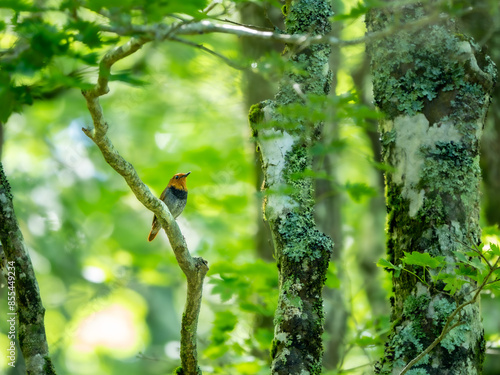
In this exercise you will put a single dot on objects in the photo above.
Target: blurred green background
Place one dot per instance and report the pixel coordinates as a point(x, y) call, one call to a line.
point(114, 301)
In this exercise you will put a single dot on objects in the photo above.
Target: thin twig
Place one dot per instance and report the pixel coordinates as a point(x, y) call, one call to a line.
point(260, 28)
point(211, 6)
point(228, 61)
point(446, 329)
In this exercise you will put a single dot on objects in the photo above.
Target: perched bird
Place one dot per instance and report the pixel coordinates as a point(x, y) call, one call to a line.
point(175, 197)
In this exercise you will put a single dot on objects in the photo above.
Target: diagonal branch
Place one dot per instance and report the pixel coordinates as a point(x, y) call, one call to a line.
point(447, 328)
point(194, 268)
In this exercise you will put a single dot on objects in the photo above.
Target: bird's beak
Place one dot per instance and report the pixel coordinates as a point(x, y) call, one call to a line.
point(187, 174)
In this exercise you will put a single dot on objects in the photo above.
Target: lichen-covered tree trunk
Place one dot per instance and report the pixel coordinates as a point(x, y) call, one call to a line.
point(302, 252)
point(28, 312)
point(434, 86)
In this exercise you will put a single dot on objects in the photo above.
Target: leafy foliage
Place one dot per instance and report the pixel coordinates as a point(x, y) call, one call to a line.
point(478, 267)
point(173, 108)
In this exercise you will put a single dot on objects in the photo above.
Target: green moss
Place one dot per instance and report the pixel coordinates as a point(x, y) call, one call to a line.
point(302, 251)
point(48, 367)
point(415, 307)
point(255, 114)
point(307, 17)
point(274, 349)
point(180, 371)
point(4, 183)
point(451, 177)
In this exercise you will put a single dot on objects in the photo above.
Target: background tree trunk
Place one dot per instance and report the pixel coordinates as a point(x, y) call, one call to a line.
point(328, 215)
point(434, 86)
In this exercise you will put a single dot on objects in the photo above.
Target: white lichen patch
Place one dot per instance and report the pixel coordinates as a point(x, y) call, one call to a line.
point(465, 49)
point(421, 289)
point(274, 145)
point(278, 204)
point(412, 134)
point(326, 69)
point(282, 336)
point(480, 122)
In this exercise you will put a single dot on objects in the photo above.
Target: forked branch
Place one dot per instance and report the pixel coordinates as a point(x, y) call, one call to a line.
point(194, 268)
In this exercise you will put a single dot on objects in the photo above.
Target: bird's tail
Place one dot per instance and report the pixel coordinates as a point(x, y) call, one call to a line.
point(153, 234)
point(155, 228)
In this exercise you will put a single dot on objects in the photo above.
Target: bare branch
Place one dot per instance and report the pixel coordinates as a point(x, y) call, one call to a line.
point(195, 268)
point(166, 32)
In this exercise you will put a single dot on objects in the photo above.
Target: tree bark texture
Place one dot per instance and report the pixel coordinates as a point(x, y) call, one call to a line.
point(434, 85)
point(30, 311)
point(301, 250)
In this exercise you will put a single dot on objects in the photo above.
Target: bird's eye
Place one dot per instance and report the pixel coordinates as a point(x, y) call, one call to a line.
point(176, 177)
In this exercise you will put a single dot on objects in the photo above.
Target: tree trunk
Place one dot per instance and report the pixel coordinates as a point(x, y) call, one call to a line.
point(434, 86)
point(258, 88)
point(302, 251)
point(328, 216)
point(28, 310)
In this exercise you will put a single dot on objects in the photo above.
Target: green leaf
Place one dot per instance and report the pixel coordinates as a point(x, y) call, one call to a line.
point(494, 249)
point(384, 263)
point(491, 231)
point(88, 33)
point(423, 259)
point(465, 270)
point(365, 341)
point(332, 281)
point(494, 286)
point(355, 12)
point(359, 190)
point(476, 263)
point(225, 288)
point(461, 256)
point(18, 5)
point(127, 77)
point(453, 285)
point(156, 10)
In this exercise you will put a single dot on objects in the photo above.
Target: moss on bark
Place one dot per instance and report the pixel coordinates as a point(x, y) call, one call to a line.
point(302, 251)
point(434, 86)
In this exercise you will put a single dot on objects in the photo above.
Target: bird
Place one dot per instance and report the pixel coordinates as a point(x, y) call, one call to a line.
point(175, 197)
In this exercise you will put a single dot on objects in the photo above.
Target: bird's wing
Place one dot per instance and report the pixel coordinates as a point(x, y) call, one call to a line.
point(162, 196)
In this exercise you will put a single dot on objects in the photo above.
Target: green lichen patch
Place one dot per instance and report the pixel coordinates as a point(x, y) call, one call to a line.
point(450, 177)
point(309, 17)
point(414, 71)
